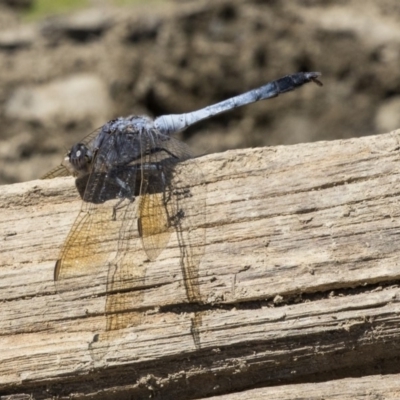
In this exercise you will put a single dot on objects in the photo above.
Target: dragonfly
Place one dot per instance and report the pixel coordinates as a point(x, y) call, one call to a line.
point(137, 180)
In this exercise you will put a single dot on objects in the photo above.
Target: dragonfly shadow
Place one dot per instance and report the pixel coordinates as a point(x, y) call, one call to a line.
point(110, 190)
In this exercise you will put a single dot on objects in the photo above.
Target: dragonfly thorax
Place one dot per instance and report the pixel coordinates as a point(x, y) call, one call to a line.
point(123, 141)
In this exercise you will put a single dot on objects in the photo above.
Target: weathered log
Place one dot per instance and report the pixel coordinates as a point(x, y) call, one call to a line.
point(298, 282)
point(367, 387)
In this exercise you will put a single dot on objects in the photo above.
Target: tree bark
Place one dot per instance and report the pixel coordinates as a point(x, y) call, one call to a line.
point(298, 283)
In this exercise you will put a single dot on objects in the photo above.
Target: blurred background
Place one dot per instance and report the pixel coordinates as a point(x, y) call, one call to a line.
point(68, 66)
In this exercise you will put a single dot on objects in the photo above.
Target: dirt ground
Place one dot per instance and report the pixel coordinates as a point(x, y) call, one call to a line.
point(64, 76)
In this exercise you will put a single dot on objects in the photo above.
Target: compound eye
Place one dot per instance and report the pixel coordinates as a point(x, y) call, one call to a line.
point(79, 157)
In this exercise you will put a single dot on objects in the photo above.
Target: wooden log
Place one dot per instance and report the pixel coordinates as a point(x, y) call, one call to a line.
point(298, 281)
point(368, 387)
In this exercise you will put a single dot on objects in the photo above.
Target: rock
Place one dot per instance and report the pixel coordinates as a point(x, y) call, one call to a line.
point(16, 147)
point(17, 3)
point(62, 102)
point(82, 27)
point(388, 116)
point(8, 17)
point(17, 38)
point(145, 29)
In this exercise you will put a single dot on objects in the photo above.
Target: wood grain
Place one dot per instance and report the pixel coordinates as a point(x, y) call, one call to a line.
point(299, 279)
point(370, 387)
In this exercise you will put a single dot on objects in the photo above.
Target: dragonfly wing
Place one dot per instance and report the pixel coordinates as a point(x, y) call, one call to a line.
point(156, 205)
point(57, 172)
point(82, 263)
point(83, 257)
point(189, 205)
point(153, 223)
point(173, 198)
point(123, 295)
point(127, 272)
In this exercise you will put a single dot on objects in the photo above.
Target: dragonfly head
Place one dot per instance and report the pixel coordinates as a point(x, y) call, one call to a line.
point(80, 159)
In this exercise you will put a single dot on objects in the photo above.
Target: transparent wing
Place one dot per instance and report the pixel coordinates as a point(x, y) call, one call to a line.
point(126, 274)
point(91, 243)
point(90, 257)
point(79, 271)
point(125, 278)
point(126, 271)
point(157, 211)
point(173, 198)
point(189, 204)
point(154, 223)
point(56, 172)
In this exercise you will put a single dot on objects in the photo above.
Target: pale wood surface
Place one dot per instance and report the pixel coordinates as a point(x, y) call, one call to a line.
point(368, 387)
point(299, 278)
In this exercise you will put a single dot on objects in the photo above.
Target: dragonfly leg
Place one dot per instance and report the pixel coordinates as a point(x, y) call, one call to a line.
point(117, 206)
point(125, 190)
